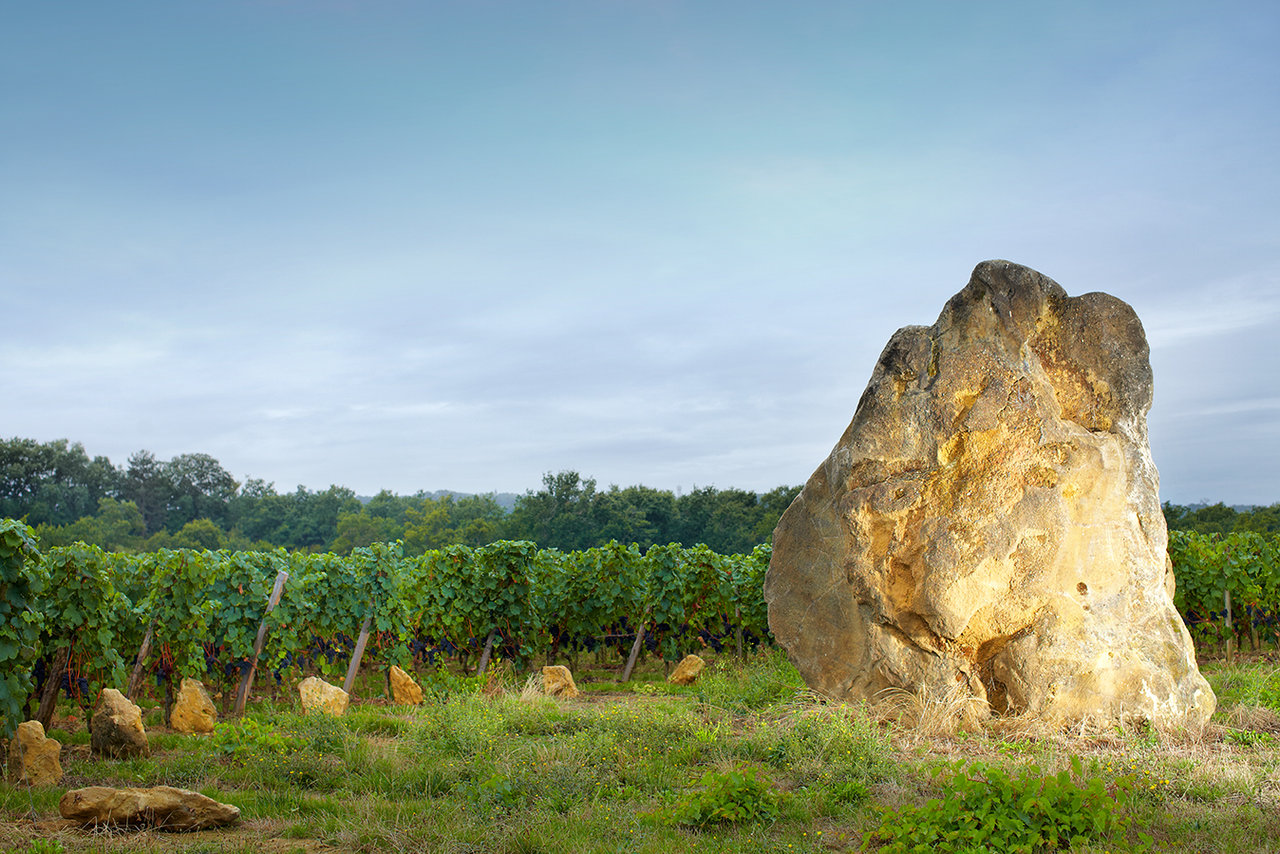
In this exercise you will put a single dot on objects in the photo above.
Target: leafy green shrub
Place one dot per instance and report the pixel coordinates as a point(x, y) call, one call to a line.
point(986, 810)
point(39, 846)
point(249, 736)
point(500, 791)
point(1247, 737)
point(23, 581)
point(743, 794)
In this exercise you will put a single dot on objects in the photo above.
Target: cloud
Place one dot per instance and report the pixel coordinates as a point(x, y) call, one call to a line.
point(1212, 310)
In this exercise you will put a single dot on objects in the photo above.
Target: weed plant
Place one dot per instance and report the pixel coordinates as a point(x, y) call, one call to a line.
point(742, 794)
point(985, 809)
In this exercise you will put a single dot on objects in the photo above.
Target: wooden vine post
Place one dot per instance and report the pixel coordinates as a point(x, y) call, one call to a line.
point(635, 648)
point(1231, 631)
point(52, 681)
point(488, 652)
point(135, 678)
point(354, 667)
point(737, 634)
point(246, 681)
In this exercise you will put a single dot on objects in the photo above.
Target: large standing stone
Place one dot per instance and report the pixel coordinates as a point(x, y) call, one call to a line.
point(193, 710)
point(116, 730)
point(33, 758)
point(319, 696)
point(991, 518)
point(403, 689)
point(163, 807)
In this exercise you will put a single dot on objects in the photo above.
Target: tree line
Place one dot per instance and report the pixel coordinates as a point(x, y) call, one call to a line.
point(191, 501)
point(1221, 519)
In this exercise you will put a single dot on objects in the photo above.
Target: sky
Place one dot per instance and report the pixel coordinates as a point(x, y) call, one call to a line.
point(458, 245)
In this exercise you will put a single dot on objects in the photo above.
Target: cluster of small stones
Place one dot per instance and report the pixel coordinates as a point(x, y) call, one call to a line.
point(557, 681)
point(116, 731)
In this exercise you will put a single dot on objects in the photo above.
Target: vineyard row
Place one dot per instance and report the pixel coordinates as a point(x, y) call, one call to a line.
point(78, 618)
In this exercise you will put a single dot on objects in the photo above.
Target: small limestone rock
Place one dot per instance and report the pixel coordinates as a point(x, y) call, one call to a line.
point(687, 671)
point(990, 520)
point(319, 696)
point(403, 689)
point(193, 710)
point(557, 681)
point(116, 730)
point(162, 807)
point(33, 758)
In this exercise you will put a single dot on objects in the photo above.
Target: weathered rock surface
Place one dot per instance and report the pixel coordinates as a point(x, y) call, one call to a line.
point(162, 807)
point(33, 758)
point(193, 710)
point(687, 671)
point(991, 519)
point(557, 681)
point(319, 696)
point(116, 730)
point(403, 689)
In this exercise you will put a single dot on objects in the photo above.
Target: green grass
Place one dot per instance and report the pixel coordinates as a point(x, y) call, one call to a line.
point(1245, 684)
point(744, 759)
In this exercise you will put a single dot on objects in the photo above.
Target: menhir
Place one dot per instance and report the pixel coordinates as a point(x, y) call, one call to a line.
point(990, 520)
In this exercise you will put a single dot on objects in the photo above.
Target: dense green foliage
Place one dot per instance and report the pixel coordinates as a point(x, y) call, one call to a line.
point(985, 809)
point(204, 607)
point(741, 794)
point(1223, 577)
point(22, 582)
point(83, 612)
point(191, 502)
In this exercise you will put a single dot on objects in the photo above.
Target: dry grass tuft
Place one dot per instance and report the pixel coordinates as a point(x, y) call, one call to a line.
point(928, 713)
point(493, 688)
point(532, 689)
point(1256, 718)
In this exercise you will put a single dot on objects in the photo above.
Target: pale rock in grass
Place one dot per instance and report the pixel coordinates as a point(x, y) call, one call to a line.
point(116, 729)
point(162, 807)
point(687, 671)
point(557, 681)
point(33, 758)
point(404, 690)
point(193, 710)
point(319, 696)
point(991, 519)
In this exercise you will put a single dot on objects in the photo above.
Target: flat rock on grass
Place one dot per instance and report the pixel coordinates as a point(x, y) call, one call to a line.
point(162, 807)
